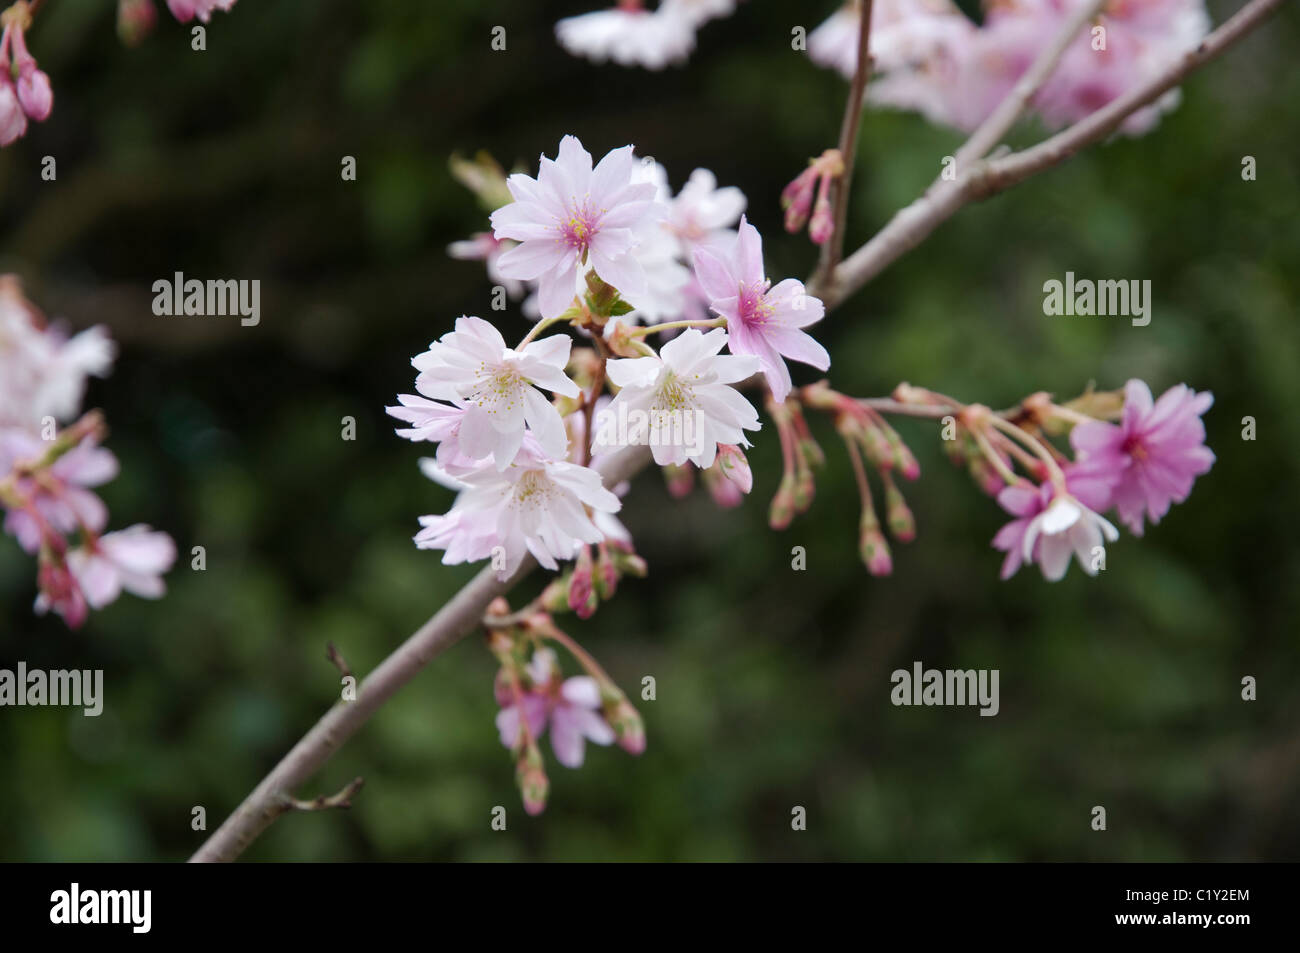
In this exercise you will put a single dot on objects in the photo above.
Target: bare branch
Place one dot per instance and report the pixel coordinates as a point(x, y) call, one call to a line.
point(833, 250)
point(343, 799)
point(334, 655)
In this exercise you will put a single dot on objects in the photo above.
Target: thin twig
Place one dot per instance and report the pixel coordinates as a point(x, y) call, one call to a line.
point(343, 799)
point(833, 250)
point(334, 655)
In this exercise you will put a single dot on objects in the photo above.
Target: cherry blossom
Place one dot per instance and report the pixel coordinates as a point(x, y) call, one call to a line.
point(762, 320)
point(497, 388)
point(1156, 452)
point(572, 215)
point(684, 393)
point(536, 505)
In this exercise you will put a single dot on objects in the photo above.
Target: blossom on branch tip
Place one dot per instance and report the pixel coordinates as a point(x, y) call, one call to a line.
point(764, 321)
point(1155, 453)
point(1052, 524)
point(572, 215)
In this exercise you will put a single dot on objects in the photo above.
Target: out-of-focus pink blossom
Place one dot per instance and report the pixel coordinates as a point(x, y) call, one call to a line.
point(1051, 525)
point(1155, 453)
point(133, 559)
point(187, 10)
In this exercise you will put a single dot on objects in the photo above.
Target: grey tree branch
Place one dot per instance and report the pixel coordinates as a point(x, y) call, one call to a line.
point(981, 179)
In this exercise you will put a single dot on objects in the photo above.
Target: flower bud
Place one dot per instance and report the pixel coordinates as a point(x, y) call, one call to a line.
point(724, 492)
point(680, 479)
point(902, 525)
point(735, 466)
point(985, 475)
point(797, 199)
point(555, 597)
point(606, 574)
point(135, 20)
point(629, 729)
point(581, 594)
point(781, 511)
point(34, 92)
point(531, 778)
point(805, 488)
point(13, 121)
point(823, 218)
point(627, 562)
point(873, 548)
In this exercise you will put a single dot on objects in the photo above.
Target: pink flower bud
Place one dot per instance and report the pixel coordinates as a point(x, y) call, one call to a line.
point(534, 786)
point(581, 594)
point(13, 121)
point(874, 550)
point(797, 199)
point(902, 525)
point(782, 510)
point(135, 20)
point(823, 219)
point(629, 730)
point(34, 92)
point(725, 493)
point(680, 480)
point(735, 466)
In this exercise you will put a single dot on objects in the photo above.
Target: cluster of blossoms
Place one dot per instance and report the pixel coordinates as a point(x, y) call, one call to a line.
point(929, 57)
point(631, 35)
point(534, 698)
point(48, 471)
point(25, 91)
point(521, 429)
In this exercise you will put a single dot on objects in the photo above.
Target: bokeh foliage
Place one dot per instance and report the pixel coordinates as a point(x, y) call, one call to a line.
point(773, 685)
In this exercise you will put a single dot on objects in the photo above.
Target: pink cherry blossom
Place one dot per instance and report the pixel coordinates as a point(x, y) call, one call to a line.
point(762, 320)
point(497, 388)
point(628, 35)
point(680, 401)
point(535, 506)
point(1052, 524)
point(186, 10)
point(61, 500)
point(570, 708)
point(1156, 452)
point(133, 559)
point(572, 215)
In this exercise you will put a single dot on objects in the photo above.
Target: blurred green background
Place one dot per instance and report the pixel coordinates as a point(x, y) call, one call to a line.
point(773, 685)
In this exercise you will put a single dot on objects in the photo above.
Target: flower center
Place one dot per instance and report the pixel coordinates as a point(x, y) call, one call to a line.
point(581, 226)
point(754, 306)
point(497, 389)
point(532, 491)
